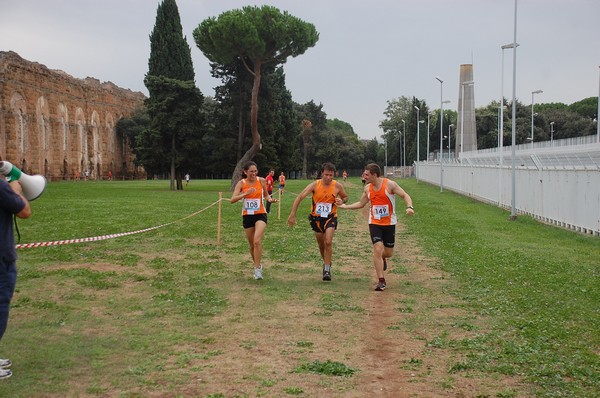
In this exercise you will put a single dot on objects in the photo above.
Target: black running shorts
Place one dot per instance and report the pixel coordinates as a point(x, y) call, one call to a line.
point(249, 221)
point(383, 233)
point(320, 224)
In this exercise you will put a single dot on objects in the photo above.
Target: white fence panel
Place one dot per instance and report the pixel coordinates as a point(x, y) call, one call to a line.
point(567, 195)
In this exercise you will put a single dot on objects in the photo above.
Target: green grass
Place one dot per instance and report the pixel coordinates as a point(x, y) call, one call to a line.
point(328, 368)
point(539, 285)
point(73, 318)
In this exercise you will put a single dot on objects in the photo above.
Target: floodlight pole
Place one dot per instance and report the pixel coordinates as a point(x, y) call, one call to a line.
point(403, 148)
point(501, 129)
point(449, 134)
point(598, 113)
point(513, 211)
point(441, 132)
point(428, 136)
point(532, 114)
point(386, 164)
point(417, 109)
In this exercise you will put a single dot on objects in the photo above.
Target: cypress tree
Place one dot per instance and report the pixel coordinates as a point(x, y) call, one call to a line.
point(175, 102)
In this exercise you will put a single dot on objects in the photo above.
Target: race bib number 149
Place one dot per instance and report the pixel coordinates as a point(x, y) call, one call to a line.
point(381, 211)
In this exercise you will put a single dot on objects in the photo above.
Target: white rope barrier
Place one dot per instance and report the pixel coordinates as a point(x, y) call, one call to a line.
point(110, 236)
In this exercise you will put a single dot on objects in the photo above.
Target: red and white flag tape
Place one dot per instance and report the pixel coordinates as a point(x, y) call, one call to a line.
point(104, 237)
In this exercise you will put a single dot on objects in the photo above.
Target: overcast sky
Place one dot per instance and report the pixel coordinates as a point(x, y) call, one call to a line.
point(367, 53)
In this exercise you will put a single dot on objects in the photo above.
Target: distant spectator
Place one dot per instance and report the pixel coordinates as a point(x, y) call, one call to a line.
point(281, 182)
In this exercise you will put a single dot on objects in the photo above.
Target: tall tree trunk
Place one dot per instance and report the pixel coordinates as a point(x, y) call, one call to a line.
point(305, 160)
point(172, 182)
point(242, 98)
point(306, 126)
point(179, 181)
point(256, 145)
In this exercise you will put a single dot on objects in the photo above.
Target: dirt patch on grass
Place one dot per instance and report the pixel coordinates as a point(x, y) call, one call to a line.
point(357, 342)
point(395, 341)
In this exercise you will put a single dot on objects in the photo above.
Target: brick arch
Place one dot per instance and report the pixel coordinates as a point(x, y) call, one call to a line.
point(96, 145)
point(81, 142)
point(110, 135)
point(46, 117)
point(14, 142)
point(62, 129)
point(42, 138)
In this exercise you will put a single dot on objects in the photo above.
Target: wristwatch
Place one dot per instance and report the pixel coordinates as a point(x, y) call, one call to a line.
point(410, 207)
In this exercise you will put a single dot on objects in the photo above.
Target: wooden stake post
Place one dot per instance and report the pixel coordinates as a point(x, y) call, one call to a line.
point(219, 218)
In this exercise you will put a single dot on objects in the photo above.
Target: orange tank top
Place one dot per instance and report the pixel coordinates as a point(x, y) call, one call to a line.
point(383, 205)
point(323, 200)
point(254, 202)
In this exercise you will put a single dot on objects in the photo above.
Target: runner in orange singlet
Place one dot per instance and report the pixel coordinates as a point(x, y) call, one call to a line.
point(381, 193)
point(281, 182)
point(323, 215)
point(252, 190)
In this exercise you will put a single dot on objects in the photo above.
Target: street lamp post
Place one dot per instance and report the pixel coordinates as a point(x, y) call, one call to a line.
point(462, 116)
point(532, 94)
point(385, 170)
point(449, 134)
point(598, 114)
point(403, 148)
point(400, 150)
point(551, 134)
point(513, 211)
point(428, 136)
point(418, 128)
point(501, 128)
point(501, 131)
point(441, 131)
point(418, 110)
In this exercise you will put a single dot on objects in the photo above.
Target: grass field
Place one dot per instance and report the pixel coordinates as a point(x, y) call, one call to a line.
point(134, 316)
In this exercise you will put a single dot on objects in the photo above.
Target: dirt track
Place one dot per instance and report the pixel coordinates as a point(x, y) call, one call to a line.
point(397, 339)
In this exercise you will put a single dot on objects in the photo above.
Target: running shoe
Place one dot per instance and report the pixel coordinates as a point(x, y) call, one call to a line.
point(380, 287)
point(326, 275)
point(5, 363)
point(258, 273)
point(5, 373)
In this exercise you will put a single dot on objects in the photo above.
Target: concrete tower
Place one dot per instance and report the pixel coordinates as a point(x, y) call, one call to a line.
point(469, 139)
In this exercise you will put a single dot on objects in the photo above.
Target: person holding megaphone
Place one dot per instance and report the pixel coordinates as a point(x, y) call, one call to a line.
point(12, 203)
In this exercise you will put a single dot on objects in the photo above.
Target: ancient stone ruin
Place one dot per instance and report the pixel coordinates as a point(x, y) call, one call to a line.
point(63, 127)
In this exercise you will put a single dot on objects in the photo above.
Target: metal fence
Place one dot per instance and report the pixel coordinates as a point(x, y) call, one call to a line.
point(556, 182)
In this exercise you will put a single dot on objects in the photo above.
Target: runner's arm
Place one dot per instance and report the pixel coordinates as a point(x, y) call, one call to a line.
point(292, 217)
point(364, 199)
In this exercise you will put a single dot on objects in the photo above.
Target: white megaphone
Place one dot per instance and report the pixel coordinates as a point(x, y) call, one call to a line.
point(33, 186)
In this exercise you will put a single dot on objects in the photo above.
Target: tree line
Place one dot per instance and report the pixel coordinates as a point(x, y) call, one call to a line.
point(551, 121)
point(252, 115)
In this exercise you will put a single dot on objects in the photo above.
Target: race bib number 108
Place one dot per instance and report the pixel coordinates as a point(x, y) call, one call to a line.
point(251, 205)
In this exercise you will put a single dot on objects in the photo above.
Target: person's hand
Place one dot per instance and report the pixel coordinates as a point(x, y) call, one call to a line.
point(16, 186)
point(250, 191)
point(339, 202)
point(410, 211)
point(291, 221)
